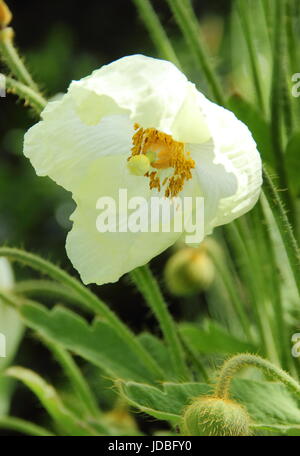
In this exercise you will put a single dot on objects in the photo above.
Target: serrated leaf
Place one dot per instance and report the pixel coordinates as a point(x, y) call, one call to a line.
point(157, 350)
point(213, 339)
point(98, 343)
point(67, 423)
point(166, 403)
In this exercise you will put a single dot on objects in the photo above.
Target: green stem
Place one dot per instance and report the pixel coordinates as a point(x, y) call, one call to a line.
point(148, 287)
point(246, 26)
point(233, 365)
point(277, 103)
point(92, 301)
point(273, 280)
point(251, 235)
point(30, 96)
point(25, 427)
point(231, 287)
point(238, 235)
point(286, 231)
point(156, 30)
point(268, 13)
point(189, 25)
point(13, 61)
point(75, 376)
point(49, 289)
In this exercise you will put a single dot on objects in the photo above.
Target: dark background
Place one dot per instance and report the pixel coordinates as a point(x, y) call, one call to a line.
point(61, 41)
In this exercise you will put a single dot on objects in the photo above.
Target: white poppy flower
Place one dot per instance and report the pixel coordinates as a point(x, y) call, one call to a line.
point(138, 124)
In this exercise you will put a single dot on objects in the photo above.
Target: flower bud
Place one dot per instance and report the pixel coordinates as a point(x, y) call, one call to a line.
point(189, 271)
point(213, 416)
point(5, 15)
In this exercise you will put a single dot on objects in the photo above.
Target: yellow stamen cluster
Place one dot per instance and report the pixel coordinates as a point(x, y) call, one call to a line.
point(163, 152)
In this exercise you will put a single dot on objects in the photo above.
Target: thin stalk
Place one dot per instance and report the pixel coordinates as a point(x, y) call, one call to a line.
point(92, 301)
point(273, 280)
point(148, 287)
point(27, 94)
point(259, 286)
point(268, 13)
point(236, 235)
point(277, 105)
point(188, 23)
point(286, 231)
point(233, 294)
point(75, 376)
point(156, 30)
point(48, 288)
point(233, 365)
point(13, 61)
point(24, 427)
point(246, 26)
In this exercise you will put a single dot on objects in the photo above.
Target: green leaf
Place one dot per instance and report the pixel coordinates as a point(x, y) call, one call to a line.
point(157, 350)
point(267, 402)
point(211, 338)
point(67, 423)
point(166, 403)
point(256, 123)
point(11, 327)
point(98, 343)
point(292, 158)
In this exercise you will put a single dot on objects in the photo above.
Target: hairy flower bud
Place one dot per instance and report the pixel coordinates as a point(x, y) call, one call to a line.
point(5, 15)
point(213, 416)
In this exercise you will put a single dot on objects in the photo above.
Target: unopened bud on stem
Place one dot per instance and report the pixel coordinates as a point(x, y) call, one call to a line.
point(214, 416)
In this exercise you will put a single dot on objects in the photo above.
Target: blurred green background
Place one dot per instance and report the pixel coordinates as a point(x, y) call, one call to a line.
point(62, 41)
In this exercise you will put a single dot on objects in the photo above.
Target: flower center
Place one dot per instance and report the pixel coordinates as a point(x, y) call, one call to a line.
point(162, 152)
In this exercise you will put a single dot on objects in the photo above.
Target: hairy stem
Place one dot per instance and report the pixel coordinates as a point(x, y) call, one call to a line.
point(156, 30)
point(148, 287)
point(189, 25)
point(27, 94)
point(233, 365)
point(13, 61)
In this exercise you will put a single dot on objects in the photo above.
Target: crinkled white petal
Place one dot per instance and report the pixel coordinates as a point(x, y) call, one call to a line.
point(228, 167)
point(62, 147)
point(105, 257)
point(154, 93)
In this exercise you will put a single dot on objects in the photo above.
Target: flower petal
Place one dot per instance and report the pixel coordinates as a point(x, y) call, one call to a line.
point(228, 167)
point(151, 90)
point(104, 257)
point(154, 92)
point(63, 147)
